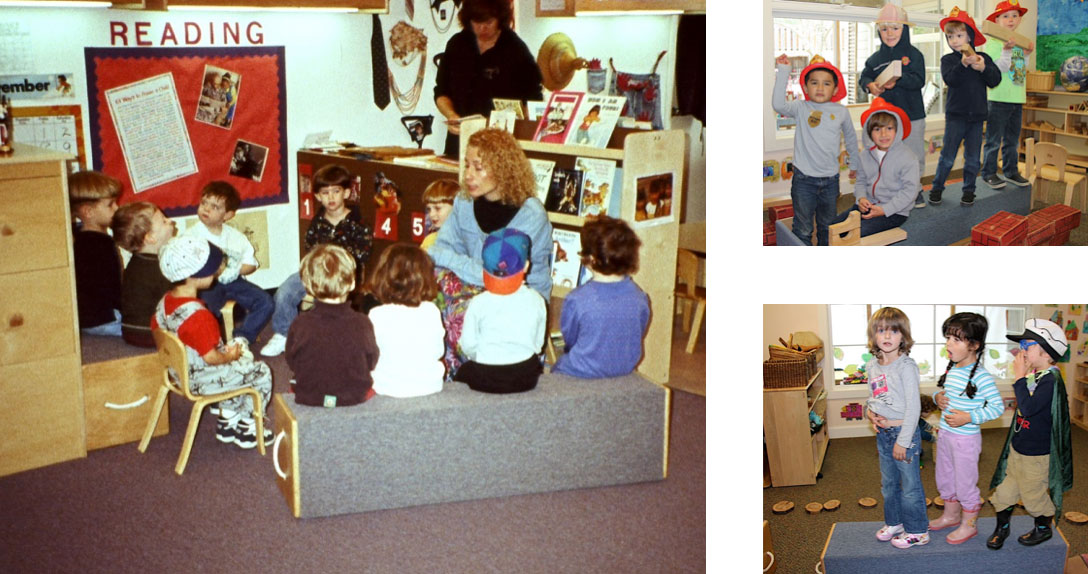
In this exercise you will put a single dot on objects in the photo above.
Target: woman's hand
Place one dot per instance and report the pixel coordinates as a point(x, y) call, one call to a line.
point(956, 418)
point(899, 453)
point(453, 124)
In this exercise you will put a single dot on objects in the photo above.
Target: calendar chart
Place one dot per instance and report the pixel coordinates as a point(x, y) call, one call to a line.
point(57, 128)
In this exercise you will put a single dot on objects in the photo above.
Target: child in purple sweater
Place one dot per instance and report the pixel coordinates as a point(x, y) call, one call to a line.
point(603, 321)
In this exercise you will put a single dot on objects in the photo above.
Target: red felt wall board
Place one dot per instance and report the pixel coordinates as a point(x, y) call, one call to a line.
point(260, 117)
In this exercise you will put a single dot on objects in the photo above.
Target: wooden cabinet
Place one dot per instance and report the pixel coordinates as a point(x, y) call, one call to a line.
point(794, 453)
point(1052, 120)
point(1078, 396)
point(41, 391)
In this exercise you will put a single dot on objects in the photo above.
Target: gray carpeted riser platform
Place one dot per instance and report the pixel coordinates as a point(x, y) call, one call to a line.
point(854, 549)
point(463, 445)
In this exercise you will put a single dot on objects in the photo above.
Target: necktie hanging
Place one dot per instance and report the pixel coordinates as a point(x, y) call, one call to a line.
point(380, 67)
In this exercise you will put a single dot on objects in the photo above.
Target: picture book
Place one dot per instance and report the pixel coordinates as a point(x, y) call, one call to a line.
point(594, 120)
point(566, 265)
point(564, 191)
point(499, 104)
point(556, 123)
point(596, 185)
point(542, 171)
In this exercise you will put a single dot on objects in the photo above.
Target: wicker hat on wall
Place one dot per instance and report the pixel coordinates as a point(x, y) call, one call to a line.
point(558, 61)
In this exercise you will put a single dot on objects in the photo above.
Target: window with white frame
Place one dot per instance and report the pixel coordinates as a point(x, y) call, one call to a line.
point(850, 349)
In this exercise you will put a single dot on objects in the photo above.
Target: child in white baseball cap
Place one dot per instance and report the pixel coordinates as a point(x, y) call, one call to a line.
point(193, 263)
point(1038, 453)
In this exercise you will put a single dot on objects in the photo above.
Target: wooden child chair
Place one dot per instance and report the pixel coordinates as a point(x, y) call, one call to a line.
point(687, 275)
point(1047, 160)
point(174, 358)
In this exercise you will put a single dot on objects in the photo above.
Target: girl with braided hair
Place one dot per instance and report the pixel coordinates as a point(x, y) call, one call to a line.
point(968, 398)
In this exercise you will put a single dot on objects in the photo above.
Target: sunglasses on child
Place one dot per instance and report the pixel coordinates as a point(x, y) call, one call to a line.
point(1024, 344)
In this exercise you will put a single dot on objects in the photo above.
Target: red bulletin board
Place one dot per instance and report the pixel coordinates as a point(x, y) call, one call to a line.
point(260, 118)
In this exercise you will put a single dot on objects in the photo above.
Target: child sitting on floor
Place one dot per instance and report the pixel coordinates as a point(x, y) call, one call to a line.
point(331, 348)
point(93, 199)
point(142, 229)
point(193, 263)
point(504, 326)
point(438, 201)
point(604, 320)
point(408, 325)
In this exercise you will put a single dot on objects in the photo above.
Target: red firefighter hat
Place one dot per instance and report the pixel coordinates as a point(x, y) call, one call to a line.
point(957, 15)
point(818, 63)
point(1005, 6)
point(880, 105)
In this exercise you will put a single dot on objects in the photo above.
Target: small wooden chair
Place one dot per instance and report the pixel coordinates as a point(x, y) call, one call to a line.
point(687, 275)
point(174, 358)
point(1047, 160)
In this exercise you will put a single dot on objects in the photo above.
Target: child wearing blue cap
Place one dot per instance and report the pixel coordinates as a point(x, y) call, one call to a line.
point(503, 331)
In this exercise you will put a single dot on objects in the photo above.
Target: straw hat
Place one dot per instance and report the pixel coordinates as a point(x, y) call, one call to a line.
point(558, 61)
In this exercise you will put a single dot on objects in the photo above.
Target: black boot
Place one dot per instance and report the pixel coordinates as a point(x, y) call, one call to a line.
point(1041, 532)
point(997, 539)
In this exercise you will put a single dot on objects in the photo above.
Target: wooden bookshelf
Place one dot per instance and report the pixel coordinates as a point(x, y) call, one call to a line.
point(795, 454)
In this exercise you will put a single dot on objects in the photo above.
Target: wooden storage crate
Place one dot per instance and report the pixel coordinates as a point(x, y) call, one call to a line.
point(1040, 81)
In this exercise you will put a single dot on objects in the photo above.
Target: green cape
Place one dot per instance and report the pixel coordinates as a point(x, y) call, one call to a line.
point(1061, 446)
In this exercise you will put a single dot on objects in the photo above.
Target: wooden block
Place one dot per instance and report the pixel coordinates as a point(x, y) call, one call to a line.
point(893, 70)
point(776, 212)
point(1065, 218)
point(1040, 230)
point(929, 502)
point(967, 50)
point(1002, 33)
point(938, 502)
point(1076, 517)
point(1059, 238)
point(1002, 228)
point(831, 505)
point(782, 507)
point(867, 502)
point(814, 508)
point(768, 233)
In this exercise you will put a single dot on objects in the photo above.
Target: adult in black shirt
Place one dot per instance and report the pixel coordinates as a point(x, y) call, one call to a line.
point(485, 60)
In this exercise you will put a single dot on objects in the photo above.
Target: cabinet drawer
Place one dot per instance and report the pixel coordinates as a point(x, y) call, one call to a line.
point(34, 224)
point(37, 316)
point(41, 414)
point(118, 396)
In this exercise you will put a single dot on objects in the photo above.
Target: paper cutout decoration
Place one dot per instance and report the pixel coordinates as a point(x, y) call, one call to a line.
point(1076, 309)
point(1056, 318)
point(852, 412)
point(1071, 331)
point(787, 168)
point(770, 170)
point(419, 229)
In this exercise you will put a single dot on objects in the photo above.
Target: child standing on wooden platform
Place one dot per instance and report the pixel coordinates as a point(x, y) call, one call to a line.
point(1006, 100)
point(1038, 452)
point(893, 408)
point(968, 398)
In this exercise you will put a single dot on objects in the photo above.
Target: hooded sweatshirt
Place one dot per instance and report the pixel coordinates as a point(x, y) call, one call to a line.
point(890, 181)
point(967, 87)
point(820, 128)
point(907, 93)
point(894, 394)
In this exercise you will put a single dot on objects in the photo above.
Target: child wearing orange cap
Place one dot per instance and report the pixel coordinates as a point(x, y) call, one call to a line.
point(967, 74)
point(886, 183)
point(1006, 100)
point(823, 127)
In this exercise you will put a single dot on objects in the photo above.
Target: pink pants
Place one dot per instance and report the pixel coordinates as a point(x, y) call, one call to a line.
point(957, 468)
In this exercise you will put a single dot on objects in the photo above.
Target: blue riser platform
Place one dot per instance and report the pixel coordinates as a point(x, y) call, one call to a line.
point(852, 548)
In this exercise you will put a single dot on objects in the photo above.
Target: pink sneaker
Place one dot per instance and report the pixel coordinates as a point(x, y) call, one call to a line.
point(888, 532)
point(907, 540)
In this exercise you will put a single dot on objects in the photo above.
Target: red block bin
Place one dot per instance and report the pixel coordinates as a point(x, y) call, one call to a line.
point(1002, 228)
point(777, 212)
point(1065, 218)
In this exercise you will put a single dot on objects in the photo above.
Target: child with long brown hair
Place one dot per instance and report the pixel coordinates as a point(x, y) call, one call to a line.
point(407, 324)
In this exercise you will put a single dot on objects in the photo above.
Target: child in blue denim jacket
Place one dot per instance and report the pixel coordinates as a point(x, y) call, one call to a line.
point(823, 125)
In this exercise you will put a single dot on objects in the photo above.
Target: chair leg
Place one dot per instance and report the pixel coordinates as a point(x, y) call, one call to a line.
point(258, 415)
point(688, 303)
point(153, 421)
point(699, 311)
point(190, 434)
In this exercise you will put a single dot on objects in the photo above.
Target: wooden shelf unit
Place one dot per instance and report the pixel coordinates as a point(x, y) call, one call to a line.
point(640, 154)
point(794, 453)
point(1075, 142)
point(1078, 396)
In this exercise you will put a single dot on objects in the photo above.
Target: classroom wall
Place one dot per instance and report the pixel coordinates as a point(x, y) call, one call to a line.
point(328, 65)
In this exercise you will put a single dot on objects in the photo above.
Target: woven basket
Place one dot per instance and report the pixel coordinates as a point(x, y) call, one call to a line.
point(812, 358)
point(1040, 81)
point(785, 374)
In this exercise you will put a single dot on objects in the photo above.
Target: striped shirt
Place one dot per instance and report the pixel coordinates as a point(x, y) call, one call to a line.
point(987, 404)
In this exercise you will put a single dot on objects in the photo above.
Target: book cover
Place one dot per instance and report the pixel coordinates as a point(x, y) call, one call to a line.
point(566, 265)
point(499, 104)
point(564, 191)
point(556, 123)
point(615, 203)
point(542, 171)
point(596, 185)
point(594, 120)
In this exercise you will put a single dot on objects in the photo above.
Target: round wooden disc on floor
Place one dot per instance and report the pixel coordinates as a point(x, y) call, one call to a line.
point(938, 502)
point(929, 501)
point(782, 507)
point(813, 507)
point(831, 505)
point(1076, 517)
point(867, 502)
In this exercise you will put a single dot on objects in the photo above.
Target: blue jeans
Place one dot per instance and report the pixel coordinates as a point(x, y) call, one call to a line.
point(955, 132)
point(253, 299)
point(1002, 131)
point(813, 196)
point(901, 483)
point(874, 225)
point(288, 297)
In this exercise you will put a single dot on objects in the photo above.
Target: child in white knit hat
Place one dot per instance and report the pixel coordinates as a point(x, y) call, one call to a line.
point(193, 263)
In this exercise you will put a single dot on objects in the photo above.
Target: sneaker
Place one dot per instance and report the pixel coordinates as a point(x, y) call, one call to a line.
point(1018, 180)
point(935, 197)
point(247, 435)
point(920, 201)
point(994, 181)
point(226, 431)
point(888, 532)
point(967, 199)
point(907, 540)
point(275, 346)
